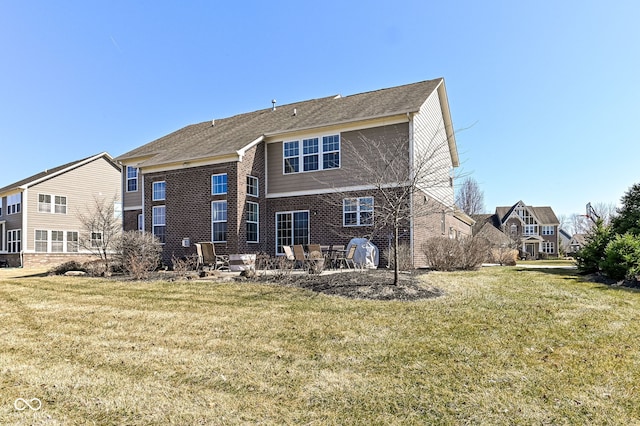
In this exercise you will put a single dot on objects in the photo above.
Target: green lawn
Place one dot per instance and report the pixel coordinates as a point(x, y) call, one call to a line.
point(504, 346)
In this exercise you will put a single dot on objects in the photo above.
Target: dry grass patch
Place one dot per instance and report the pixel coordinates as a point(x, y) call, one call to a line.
point(503, 346)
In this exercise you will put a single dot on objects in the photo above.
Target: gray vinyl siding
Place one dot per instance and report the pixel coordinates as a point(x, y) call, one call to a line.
point(95, 179)
point(322, 180)
point(430, 138)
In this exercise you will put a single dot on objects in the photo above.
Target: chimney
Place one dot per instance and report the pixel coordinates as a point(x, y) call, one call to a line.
point(273, 102)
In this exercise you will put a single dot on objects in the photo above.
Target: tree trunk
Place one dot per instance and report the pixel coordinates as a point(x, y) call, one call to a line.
point(396, 264)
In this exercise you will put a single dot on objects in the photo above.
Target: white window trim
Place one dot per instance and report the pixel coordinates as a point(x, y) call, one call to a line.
point(91, 239)
point(291, 212)
point(131, 178)
point(10, 241)
point(219, 221)
point(548, 230)
point(300, 156)
point(257, 194)
point(153, 221)
point(153, 191)
point(358, 211)
point(257, 222)
point(213, 186)
point(52, 203)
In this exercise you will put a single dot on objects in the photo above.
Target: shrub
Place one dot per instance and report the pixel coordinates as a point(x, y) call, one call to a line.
point(590, 257)
point(139, 253)
point(404, 257)
point(622, 257)
point(506, 256)
point(446, 254)
point(71, 265)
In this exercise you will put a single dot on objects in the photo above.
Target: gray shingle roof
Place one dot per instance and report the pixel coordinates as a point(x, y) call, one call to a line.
point(229, 135)
point(544, 215)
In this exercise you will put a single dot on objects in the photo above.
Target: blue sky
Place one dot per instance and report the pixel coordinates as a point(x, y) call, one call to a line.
point(545, 94)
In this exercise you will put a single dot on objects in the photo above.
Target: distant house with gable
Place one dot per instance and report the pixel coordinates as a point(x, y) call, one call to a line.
point(534, 230)
point(39, 224)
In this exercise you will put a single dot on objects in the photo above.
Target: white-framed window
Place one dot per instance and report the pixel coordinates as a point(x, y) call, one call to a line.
point(159, 190)
point(42, 241)
point(253, 187)
point(57, 241)
point(547, 230)
point(548, 247)
point(219, 221)
point(132, 179)
point(14, 203)
point(72, 242)
point(316, 153)
point(514, 229)
point(140, 222)
point(14, 241)
point(159, 221)
point(219, 184)
point(96, 239)
point(291, 155)
point(253, 222)
point(357, 211)
point(331, 152)
point(44, 203)
point(530, 230)
point(60, 204)
point(291, 228)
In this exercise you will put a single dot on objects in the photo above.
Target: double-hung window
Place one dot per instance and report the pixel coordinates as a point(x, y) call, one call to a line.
point(312, 153)
point(219, 221)
point(548, 247)
point(44, 203)
point(253, 187)
point(60, 204)
point(547, 230)
point(253, 222)
point(159, 189)
point(357, 211)
point(219, 184)
point(42, 240)
point(530, 230)
point(132, 179)
point(159, 223)
point(57, 241)
point(72, 242)
point(96, 239)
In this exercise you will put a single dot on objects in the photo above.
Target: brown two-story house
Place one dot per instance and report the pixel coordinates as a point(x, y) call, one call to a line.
point(257, 181)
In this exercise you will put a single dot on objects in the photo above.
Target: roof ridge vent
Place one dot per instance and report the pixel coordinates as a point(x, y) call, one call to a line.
point(273, 104)
point(338, 96)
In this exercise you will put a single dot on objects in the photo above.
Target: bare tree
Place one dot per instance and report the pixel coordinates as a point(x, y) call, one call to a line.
point(399, 183)
point(605, 211)
point(102, 226)
point(470, 198)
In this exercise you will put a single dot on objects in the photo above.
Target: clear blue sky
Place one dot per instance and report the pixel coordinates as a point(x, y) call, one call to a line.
point(548, 91)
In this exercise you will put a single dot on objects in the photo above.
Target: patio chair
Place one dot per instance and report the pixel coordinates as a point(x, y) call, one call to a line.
point(347, 259)
point(207, 257)
point(289, 256)
point(301, 258)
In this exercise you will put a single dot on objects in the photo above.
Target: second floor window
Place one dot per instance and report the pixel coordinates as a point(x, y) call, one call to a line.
point(44, 203)
point(547, 230)
point(530, 230)
point(13, 203)
point(311, 154)
point(219, 184)
point(252, 186)
point(159, 189)
point(132, 179)
point(58, 206)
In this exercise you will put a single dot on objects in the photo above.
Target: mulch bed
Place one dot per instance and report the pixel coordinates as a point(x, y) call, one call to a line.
point(369, 284)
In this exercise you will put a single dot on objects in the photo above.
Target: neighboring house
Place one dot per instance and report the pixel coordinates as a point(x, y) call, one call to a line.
point(39, 223)
point(578, 241)
point(260, 180)
point(533, 230)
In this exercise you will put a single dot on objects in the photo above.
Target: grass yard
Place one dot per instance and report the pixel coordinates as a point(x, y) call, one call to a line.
point(503, 346)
